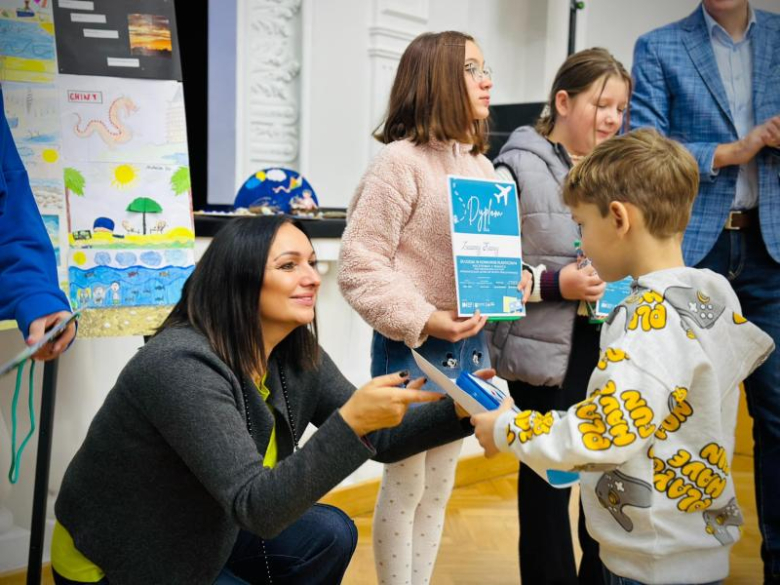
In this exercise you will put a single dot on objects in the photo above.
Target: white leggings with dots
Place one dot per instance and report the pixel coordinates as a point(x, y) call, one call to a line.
point(409, 515)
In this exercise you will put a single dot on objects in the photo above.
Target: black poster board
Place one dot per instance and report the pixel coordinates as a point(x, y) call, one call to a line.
point(117, 38)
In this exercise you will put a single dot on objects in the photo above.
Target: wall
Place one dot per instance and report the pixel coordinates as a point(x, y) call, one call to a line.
point(351, 48)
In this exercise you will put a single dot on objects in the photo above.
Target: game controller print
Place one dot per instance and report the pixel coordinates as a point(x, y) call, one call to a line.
point(717, 521)
point(616, 490)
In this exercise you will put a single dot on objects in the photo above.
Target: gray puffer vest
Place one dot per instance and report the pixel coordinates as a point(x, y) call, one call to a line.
point(536, 349)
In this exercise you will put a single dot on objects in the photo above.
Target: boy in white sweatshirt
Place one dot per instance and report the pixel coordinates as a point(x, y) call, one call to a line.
point(655, 437)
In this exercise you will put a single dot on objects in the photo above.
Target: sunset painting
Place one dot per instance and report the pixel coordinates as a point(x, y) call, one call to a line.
point(150, 35)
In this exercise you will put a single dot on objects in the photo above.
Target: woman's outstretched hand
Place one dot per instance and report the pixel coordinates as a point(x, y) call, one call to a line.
point(381, 404)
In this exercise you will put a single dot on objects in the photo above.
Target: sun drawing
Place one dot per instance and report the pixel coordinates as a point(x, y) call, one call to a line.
point(50, 155)
point(124, 177)
point(80, 258)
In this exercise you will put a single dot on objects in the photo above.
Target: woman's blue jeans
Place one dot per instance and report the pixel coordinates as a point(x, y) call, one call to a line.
point(315, 549)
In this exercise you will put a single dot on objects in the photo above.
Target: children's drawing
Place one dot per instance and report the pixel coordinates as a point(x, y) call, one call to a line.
point(129, 206)
point(52, 223)
point(126, 292)
point(180, 182)
point(144, 205)
point(33, 115)
point(48, 193)
point(101, 278)
point(128, 122)
point(26, 10)
point(278, 190)
point(116, 131)
point(26, 42)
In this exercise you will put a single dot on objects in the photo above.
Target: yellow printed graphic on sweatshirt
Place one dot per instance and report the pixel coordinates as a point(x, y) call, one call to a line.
point(614, 419)
point(611, 355)
point(648, 317)
point(527, 425)
point(717, 456)
point(679, 411)
point(738, 319)
point(694, 483)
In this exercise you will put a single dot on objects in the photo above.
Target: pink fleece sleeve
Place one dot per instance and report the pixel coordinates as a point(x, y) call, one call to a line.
point(385, 298)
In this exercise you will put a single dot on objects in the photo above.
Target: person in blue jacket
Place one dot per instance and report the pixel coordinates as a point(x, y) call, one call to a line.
point(29, 291)
point(712, 82)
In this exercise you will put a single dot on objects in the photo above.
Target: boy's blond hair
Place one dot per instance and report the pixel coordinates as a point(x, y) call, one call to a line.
point(655, 174)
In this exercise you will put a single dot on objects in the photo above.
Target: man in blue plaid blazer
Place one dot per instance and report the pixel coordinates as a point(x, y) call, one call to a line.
point(712, 82)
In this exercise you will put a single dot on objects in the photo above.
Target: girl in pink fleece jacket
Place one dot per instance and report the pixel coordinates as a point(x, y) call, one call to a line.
point(396, 270)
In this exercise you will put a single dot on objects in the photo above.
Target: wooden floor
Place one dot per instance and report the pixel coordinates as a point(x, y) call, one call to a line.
point(483, 516)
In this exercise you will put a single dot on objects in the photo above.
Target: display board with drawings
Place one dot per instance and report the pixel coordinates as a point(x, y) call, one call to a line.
point(105, 148)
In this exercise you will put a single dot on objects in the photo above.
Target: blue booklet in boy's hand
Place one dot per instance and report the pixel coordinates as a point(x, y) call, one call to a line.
point(476, 395)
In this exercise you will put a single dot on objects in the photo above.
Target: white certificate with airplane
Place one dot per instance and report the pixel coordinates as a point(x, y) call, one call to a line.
point(486, 247)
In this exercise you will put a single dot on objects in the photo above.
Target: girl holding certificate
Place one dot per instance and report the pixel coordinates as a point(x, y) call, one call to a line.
point(548, 356)
point(396, 270)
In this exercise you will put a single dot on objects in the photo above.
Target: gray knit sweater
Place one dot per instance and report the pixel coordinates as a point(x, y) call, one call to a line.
point(169, 473)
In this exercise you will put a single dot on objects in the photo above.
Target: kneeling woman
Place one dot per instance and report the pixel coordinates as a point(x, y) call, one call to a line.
point(191, 471)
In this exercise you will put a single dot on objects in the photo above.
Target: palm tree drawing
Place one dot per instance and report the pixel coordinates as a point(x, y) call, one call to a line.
point(144, 205)
point(180, 180)
point(74, 182)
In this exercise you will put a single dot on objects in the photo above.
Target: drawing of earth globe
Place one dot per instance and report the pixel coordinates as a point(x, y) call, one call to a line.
point(281, 190)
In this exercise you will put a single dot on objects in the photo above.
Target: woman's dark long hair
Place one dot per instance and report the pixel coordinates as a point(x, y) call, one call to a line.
point(221, 299)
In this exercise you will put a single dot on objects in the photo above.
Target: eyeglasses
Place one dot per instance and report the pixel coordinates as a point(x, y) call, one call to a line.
point(479, 74)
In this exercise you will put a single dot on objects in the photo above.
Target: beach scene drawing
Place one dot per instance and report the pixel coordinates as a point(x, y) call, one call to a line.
point(27, 51)
point(126, 292)
point(128, 206)
point(32, 112)
point(101, 279)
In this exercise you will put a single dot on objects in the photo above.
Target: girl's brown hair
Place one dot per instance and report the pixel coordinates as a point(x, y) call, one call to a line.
point(576, 75)
point(429, 99)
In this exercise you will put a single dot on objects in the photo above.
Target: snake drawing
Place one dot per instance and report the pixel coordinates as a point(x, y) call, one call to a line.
point(120, 133)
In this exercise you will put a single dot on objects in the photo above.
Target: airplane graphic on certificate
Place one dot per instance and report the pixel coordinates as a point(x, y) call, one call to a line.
point(486, 247)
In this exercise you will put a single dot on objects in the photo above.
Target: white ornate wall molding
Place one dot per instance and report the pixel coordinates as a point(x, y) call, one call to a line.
point(403, 10)
point(395, 24)
point(268, 85)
